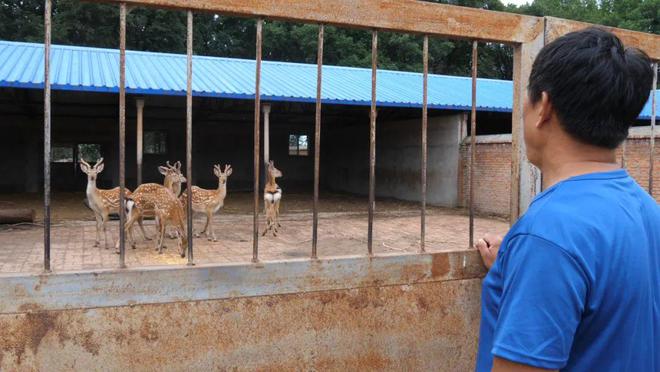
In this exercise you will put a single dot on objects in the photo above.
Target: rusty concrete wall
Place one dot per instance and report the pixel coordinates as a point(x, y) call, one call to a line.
point(407, 312)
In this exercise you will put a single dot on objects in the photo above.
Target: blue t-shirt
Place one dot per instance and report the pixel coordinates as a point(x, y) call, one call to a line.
point(576, 282)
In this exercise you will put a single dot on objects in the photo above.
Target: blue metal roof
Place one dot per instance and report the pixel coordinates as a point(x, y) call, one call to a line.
point(96, 69)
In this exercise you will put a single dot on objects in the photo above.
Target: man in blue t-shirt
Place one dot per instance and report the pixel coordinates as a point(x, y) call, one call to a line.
point(575, 284)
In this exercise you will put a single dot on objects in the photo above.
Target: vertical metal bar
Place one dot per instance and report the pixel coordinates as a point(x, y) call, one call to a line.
point(653, 115)
point(189, 215)
point(473, 139)
point(257, 116)
point(425, 91)
point(139, 135)
point(372, 141)
point(47, 34)
point(317, 142)
point(122, 133)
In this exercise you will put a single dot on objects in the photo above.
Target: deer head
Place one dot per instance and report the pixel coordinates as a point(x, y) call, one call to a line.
point(222, 175)
point(92, 171)
point(272, 171)
point(172, 174)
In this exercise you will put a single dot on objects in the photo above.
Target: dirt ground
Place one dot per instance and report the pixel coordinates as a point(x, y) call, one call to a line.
point(342, 231)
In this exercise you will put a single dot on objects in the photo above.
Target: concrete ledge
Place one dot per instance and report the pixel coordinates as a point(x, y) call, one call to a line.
point(106, 288)
point(489, 138)
point(642, 132)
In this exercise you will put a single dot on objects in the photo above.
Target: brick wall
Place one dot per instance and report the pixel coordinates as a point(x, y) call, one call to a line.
point(492, 175)
point(493, 170)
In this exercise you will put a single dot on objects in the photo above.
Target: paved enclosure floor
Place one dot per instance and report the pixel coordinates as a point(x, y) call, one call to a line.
point(342, 231)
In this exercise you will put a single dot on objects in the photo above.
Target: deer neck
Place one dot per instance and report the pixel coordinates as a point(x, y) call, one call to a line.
point(91, 188)
point(168, 182)
point(270, 180)
point(222, 188)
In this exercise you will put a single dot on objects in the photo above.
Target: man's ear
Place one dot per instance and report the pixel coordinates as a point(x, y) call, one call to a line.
point(545, 110)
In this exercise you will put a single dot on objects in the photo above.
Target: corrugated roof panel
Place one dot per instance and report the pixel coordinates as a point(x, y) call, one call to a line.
point(95, 69)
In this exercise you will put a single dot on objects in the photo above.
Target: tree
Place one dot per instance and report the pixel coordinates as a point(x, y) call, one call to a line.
point(91, 24)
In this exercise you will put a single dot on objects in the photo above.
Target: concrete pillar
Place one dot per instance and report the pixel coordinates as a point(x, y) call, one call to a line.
point(266, 110)
point(140, 109)
point(525, 178)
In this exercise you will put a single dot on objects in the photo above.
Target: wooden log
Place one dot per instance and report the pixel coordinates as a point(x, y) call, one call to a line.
point(16, 215)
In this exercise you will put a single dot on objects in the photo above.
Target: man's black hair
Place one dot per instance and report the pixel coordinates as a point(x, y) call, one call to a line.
point(596, 86)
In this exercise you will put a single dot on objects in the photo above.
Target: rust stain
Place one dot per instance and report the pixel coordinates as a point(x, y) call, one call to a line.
point(373, 328)
point(27, 334)
point(440, 265)
point(149, 331)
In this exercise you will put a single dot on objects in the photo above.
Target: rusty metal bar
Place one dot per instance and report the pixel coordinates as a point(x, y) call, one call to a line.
point(47, 130)
point(473, 139)
point(372, 141)
point(317, 143)
point(189, 215)
point(122, 133)
point(393, 15)
point(425, 92)
point(652, 138)
point(257, 116)
point(649, 43)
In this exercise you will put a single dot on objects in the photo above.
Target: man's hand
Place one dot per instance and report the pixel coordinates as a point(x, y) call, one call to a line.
point(488, 247)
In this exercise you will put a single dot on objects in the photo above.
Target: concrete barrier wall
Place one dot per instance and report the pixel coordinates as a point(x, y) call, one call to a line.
point(404, 312)
point(398, 160)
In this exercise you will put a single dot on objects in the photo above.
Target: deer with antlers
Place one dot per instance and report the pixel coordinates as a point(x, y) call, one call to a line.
point(102, 202)
point(272, 198)
point(209, 201)
point(163, 203)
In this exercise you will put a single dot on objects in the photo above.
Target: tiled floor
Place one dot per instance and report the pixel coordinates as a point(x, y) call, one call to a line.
point(342, 231)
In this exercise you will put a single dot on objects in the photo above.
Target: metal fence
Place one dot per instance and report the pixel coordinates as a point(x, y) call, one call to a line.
point(527, 34)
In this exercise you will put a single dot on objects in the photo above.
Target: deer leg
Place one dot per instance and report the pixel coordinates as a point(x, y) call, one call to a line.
point(98, 229)
point(207, 231)
point(161, 237)
point(277, 214)
point(209, 228)
point(144, 233)
point(104, 219)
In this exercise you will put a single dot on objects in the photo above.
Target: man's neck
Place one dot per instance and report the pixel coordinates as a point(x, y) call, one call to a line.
point(575, 162)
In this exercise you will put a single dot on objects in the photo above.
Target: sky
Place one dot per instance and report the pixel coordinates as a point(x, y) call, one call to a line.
point(517, 2)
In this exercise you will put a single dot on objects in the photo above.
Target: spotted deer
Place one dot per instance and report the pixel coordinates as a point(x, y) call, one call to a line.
point(159, 200)
point(272, 198)
point(209, 201)
point(176, 184)
point(103, 202)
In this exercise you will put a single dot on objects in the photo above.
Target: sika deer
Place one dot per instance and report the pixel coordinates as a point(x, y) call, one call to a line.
point(157, 199)
point(209, 201)
point(102, 202)
point(272, 198)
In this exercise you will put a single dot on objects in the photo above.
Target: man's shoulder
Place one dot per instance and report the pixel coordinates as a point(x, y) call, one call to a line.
point(586, 212)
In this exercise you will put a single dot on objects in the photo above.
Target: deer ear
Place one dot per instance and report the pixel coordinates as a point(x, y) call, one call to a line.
point(162, 170)
point(177, 165)
point(84, 166)
point(228, 170)
point(99, 168)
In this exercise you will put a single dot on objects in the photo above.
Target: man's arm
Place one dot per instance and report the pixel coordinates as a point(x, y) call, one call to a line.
point(503, 365)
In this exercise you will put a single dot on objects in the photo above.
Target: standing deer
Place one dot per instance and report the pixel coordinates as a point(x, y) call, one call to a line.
point(272, 198)
point(172, 181)
point(209, 201)
point(102, 202)
point(176, 184)
point(152, 198)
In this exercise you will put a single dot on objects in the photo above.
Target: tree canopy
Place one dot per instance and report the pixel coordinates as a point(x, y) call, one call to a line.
point(93, 24)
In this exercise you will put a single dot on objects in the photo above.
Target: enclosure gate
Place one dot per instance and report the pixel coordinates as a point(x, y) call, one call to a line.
point(126, 287)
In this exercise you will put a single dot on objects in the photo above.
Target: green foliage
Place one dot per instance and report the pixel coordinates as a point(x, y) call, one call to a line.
point(93, 24)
